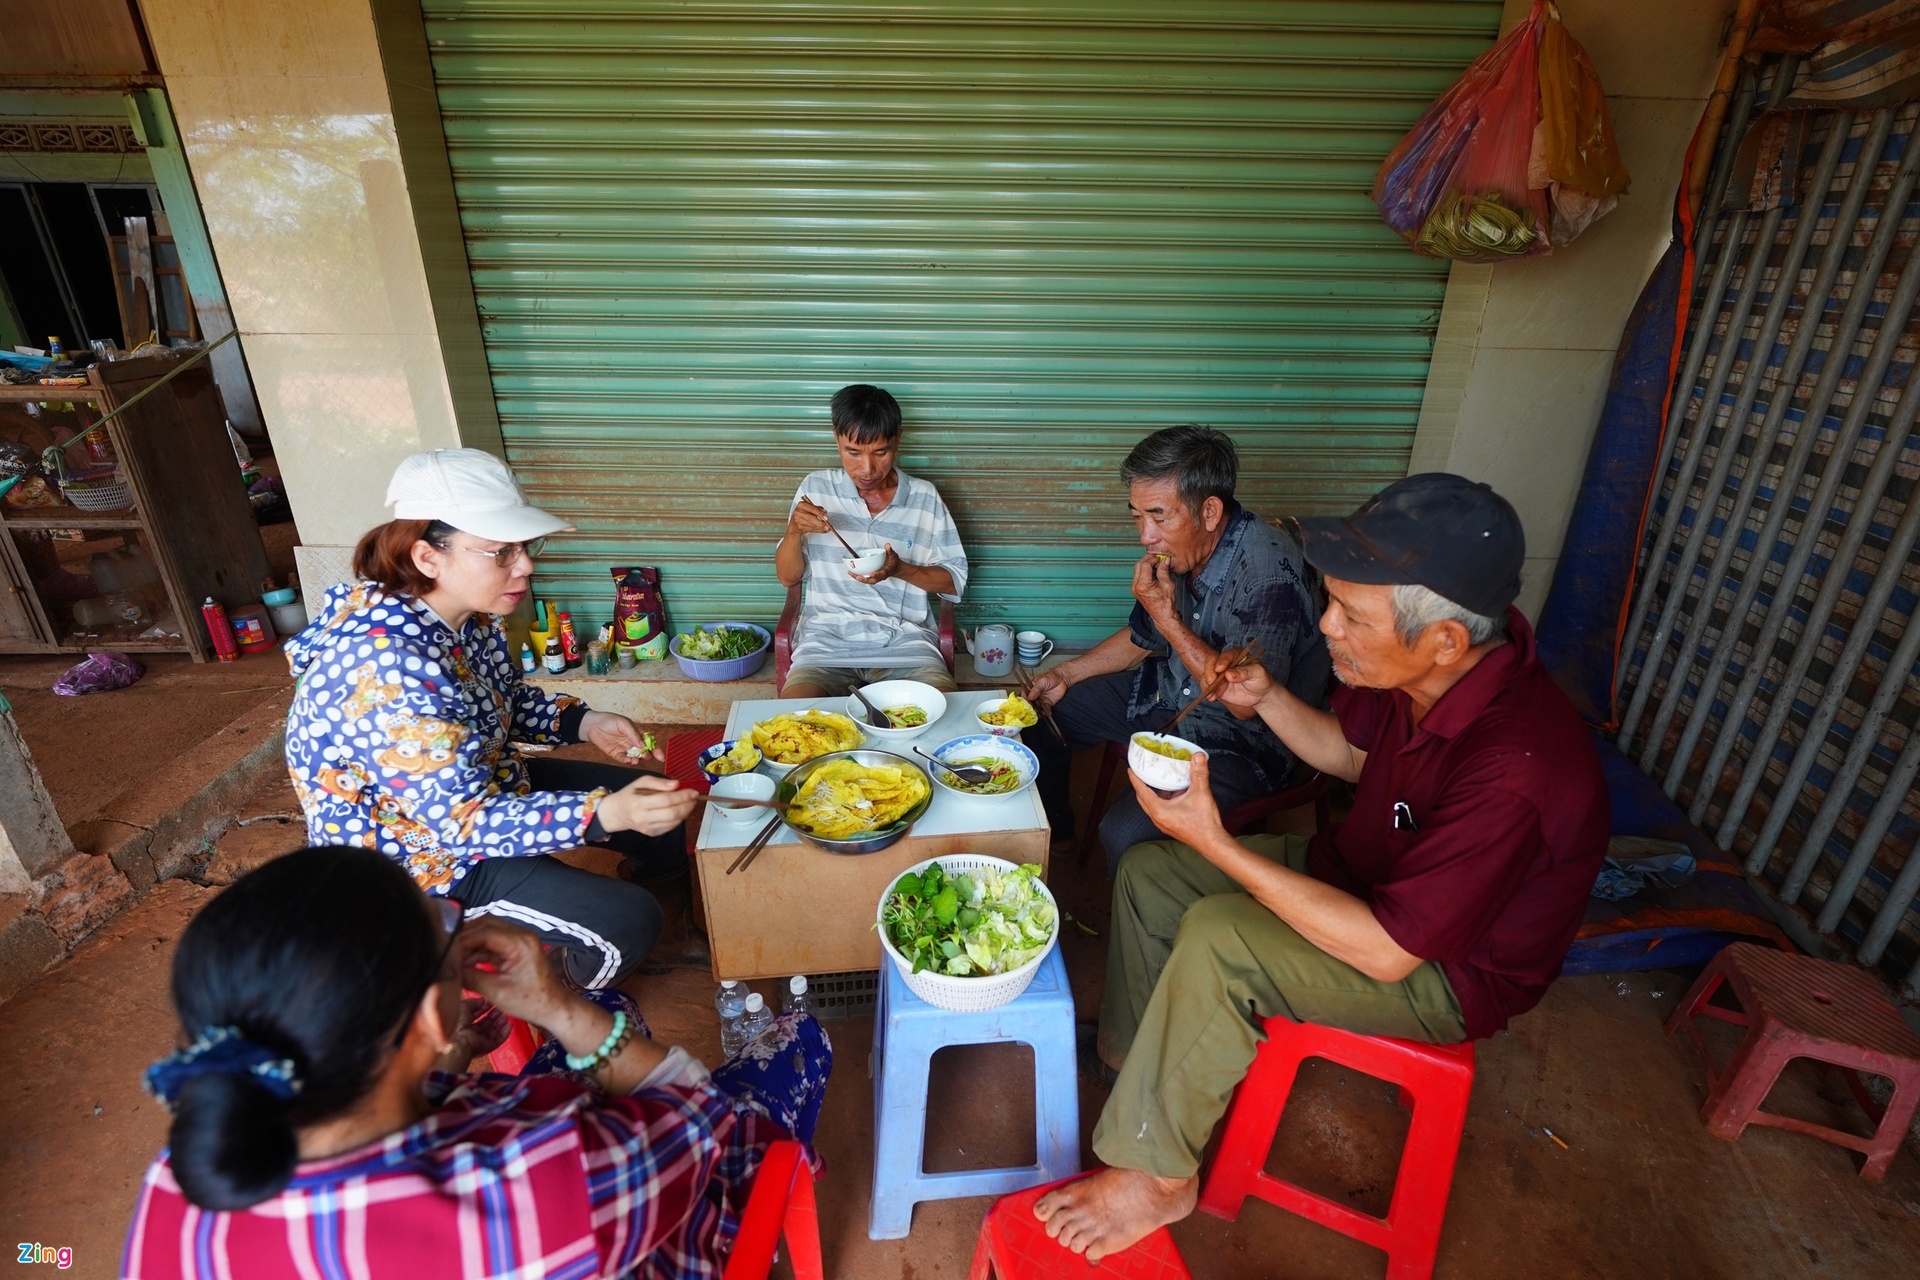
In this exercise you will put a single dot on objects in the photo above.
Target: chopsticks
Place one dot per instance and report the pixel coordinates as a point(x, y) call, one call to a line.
point(843, 542)
point(744, 801)
point(754, 846)
point(1237, 658)
point(1026, 691)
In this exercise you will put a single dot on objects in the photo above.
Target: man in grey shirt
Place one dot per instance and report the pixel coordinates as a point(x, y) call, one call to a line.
point(1214, 576)
point(856, 628)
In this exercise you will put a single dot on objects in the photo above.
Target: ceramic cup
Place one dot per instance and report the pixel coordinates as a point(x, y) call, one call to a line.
point(1034, 647)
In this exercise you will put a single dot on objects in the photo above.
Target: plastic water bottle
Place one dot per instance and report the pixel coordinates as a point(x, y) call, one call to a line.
point(756, 1019)
point(731, 1000)
point(795, 999)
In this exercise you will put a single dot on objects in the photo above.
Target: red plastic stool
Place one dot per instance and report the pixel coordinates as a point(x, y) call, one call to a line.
point(1435, 1079)
point(1798, 1007)
point(1014, 1245)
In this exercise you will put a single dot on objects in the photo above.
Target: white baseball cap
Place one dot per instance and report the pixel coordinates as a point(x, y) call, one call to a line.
point(470, 490)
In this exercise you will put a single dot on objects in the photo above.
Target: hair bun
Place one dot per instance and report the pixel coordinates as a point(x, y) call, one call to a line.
point(232, 1142)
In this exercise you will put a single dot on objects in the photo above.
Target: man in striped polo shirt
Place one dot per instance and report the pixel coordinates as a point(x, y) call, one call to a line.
point(856, 628)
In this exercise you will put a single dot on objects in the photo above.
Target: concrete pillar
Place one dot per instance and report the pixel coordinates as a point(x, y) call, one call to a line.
point(32, 838)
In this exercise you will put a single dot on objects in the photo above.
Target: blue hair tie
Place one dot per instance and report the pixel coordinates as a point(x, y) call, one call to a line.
point(223, 1049)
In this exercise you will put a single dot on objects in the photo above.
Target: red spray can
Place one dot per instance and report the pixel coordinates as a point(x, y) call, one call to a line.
point(220, 630)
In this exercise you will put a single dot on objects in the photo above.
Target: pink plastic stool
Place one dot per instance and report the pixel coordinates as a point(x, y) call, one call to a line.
point(1014, 1245)
point(1435, 1079)
point(1798, 1007)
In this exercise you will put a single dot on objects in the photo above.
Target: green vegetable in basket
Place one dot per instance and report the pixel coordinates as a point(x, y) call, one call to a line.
point(969, 924)
point(719, 644)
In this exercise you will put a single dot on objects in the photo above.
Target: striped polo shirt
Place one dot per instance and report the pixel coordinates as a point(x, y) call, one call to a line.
point(844, 623)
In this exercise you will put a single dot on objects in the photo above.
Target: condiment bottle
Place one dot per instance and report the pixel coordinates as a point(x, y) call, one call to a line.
point(569, 642)
point(224, 645)
point(527, 664)
point(556, 661)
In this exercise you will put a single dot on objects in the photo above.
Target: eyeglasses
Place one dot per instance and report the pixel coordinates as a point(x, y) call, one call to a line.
point(450, 915)
point(505, 556)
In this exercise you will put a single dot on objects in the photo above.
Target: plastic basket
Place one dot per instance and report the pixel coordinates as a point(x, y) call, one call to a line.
point(105, 493)
point(969, 994)
point(721, 670)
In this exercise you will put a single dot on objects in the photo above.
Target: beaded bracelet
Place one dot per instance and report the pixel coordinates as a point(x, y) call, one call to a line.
point(616, 1040)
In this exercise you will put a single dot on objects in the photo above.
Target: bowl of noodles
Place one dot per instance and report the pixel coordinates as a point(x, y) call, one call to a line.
point(791, 738)
point(854, 801)
point(1010, 764)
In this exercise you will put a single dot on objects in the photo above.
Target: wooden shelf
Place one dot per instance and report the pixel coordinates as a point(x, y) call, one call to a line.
point(78, 520)
point(83, 394)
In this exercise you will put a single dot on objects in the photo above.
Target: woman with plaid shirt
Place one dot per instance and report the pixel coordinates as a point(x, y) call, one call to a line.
point(324, 1123)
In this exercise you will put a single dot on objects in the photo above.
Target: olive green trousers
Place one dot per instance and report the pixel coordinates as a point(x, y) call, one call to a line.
point(1195, 966)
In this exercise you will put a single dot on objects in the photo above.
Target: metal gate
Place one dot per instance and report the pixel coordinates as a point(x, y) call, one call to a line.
point(1048, 229)
point(1768, 679)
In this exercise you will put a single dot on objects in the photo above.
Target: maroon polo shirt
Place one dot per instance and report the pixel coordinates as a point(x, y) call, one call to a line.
point(1510, 823)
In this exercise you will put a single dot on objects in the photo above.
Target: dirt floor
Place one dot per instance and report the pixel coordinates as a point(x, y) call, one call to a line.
point(1641, 1191)
point(91, 748)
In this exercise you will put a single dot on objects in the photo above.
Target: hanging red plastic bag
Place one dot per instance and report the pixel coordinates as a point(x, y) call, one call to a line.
point(1456, 187)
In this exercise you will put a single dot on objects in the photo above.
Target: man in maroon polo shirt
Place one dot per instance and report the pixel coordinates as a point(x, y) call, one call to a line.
point(1439, 910)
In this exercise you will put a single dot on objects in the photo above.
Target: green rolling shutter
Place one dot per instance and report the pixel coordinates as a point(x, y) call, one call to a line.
point(1047, 228)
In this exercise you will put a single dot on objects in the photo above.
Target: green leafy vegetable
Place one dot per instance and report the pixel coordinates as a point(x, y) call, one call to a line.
point(971, 923)
point(719, 644)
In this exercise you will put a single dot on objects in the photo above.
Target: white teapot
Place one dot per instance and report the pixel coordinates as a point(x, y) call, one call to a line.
point(992, 650)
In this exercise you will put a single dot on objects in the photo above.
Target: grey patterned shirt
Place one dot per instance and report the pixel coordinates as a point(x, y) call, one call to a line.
point(1253, 587)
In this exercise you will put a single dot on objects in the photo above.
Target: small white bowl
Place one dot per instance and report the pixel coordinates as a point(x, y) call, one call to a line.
point(1000, 730)
point(742, 786)
point(898, 693)
point(1162, 773)
point(867, 561)
point(983, 746)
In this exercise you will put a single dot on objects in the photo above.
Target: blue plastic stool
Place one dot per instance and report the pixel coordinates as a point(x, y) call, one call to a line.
point(906, 1033)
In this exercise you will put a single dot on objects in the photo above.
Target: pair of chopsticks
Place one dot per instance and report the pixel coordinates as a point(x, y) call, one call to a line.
point(1026, 691)
point(755, 845)
point(1236, 659)
point(745, 801)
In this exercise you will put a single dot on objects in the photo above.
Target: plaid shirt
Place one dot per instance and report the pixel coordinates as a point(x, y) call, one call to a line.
point(509, 1177)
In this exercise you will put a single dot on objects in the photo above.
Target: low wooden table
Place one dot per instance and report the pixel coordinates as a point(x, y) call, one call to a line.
point(800, 909)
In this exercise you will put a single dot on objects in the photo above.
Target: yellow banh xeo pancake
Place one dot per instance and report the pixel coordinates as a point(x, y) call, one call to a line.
point(796, 739)
point(845, 798)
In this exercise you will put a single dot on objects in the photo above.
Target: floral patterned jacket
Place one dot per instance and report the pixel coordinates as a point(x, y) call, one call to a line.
point(400, 738)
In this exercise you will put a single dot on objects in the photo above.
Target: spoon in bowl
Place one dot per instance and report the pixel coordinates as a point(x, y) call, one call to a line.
point(875, 716)
point(971, 773)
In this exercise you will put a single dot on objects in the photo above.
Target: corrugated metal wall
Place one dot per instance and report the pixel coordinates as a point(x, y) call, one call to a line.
point(1048, 228)
point(1770, 682)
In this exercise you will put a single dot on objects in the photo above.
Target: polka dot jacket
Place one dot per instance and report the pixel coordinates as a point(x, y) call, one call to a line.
point(401, 738)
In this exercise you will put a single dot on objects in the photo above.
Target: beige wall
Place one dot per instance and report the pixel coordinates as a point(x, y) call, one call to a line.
point(288, 128)
point(1525, 349)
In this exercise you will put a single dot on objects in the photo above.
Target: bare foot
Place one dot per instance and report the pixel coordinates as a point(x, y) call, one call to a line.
point(1114, 1209)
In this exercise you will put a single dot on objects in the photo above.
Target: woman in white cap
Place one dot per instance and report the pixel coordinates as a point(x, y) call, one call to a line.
point(402, 730)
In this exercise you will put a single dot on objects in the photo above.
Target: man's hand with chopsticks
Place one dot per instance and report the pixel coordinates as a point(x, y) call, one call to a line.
point(808, 517)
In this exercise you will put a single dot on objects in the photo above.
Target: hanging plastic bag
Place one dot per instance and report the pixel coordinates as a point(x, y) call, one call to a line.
point(1456, 187)
point(1577, 149)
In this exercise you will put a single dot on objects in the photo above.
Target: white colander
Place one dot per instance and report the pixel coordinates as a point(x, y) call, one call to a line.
point(970, 994)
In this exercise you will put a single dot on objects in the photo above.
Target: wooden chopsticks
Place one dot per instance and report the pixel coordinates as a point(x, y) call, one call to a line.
point(1026, 691)
point(1236, 659)
point(755, 845)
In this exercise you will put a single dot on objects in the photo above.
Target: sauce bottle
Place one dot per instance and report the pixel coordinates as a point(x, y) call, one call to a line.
point(569, 642)
point(556, 661)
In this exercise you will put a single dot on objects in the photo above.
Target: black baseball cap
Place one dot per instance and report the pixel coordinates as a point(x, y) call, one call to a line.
point(1451, 535)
